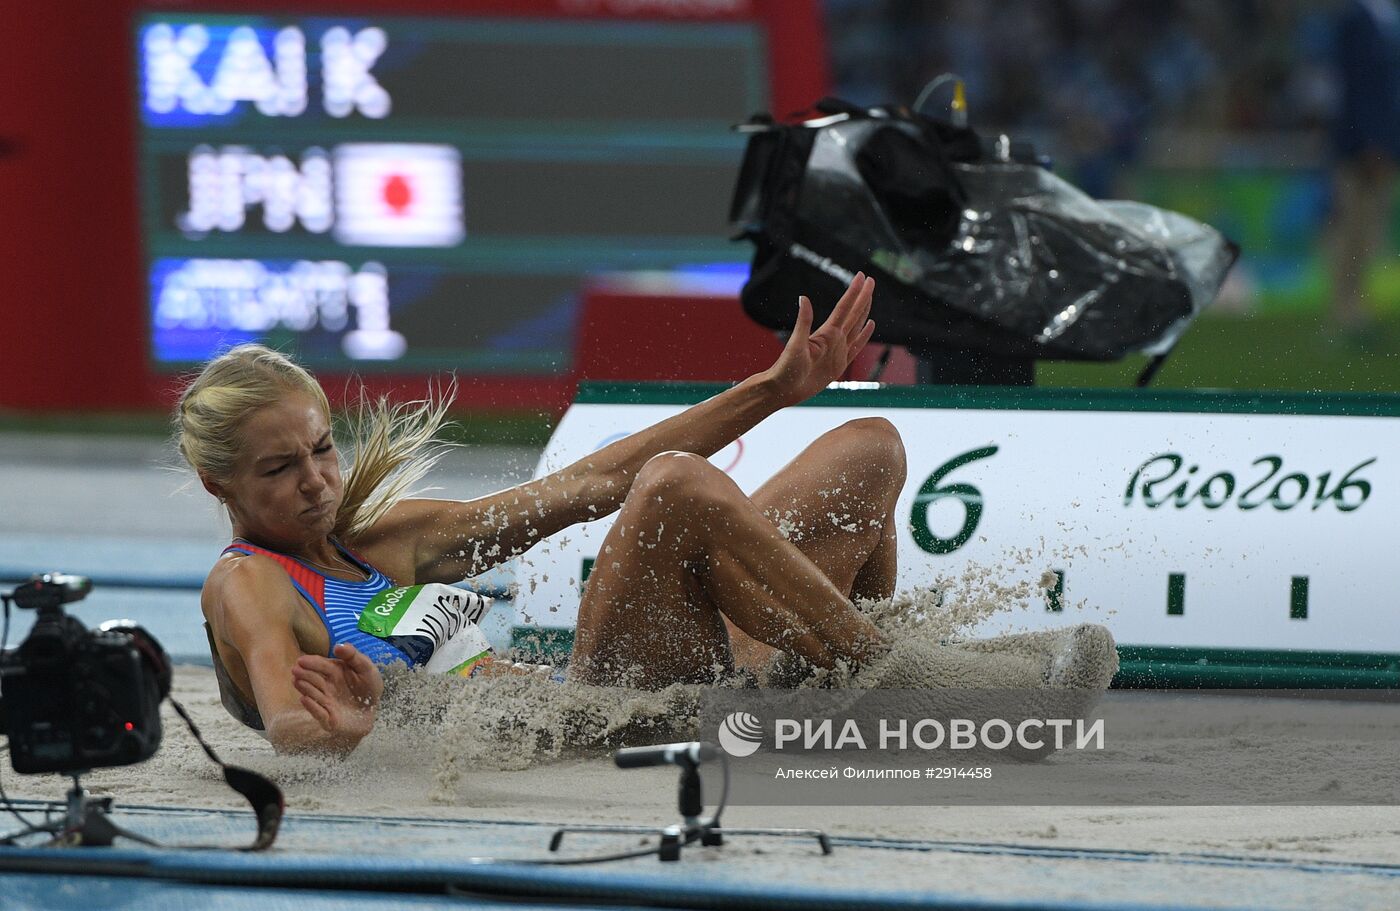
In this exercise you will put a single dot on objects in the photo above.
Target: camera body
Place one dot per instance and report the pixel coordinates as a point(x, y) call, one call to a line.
point(77, 699)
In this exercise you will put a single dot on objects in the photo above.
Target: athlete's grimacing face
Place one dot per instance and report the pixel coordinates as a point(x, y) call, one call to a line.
point(286, 485)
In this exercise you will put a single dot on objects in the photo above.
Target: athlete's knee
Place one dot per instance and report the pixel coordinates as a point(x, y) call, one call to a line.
point(881, 447)
point(874, 427)
point(674, 478)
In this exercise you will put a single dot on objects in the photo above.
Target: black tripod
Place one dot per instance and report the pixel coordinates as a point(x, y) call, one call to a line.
point(693, 827)
point(86, 822)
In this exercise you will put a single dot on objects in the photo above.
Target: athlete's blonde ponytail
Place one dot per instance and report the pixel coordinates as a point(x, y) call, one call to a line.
point(394, 446)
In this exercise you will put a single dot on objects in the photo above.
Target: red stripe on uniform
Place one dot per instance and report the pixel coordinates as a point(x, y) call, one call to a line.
point(312, 582)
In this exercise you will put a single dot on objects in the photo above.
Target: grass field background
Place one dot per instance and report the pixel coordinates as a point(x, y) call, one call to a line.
point(1294, 351)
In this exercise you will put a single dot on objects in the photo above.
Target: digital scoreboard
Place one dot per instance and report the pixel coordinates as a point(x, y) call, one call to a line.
point(425, 193)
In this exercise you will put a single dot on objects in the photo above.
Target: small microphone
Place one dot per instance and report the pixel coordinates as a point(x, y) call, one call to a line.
point(683, 754)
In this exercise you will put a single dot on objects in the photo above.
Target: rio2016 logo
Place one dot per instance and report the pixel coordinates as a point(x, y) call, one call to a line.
point(391, 601)
point(933, 489)
point(1160, 480)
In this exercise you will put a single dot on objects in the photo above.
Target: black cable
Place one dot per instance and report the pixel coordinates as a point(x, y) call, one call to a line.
point(198, 737)
point(724, 789)
point(690, 837)
point(265, 797)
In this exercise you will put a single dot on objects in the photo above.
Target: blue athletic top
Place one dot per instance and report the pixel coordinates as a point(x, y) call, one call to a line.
point(339, 605)
point(337, 602)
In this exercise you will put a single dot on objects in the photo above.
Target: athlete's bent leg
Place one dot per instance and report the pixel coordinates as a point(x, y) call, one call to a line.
point(836, 502)
point(686, 546)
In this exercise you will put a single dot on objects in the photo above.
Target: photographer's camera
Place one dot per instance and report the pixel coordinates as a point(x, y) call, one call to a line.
point(76, 699)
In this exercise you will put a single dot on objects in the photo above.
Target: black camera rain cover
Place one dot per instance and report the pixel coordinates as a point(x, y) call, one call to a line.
point(975, 244)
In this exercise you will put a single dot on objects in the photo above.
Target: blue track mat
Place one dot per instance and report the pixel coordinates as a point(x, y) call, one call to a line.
point(352, 862)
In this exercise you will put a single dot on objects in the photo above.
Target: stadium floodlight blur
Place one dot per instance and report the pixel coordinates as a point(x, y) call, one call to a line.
point(978, 246)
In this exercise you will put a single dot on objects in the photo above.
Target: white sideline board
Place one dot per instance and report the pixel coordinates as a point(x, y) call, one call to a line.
point(1198, 520)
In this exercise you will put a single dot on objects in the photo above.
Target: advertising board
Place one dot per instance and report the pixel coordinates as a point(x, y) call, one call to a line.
point(1203, 528)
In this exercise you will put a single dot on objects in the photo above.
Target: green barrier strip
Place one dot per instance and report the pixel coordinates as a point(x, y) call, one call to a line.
point(1156, 675)
point(1150, 667)
point(1369, 661)
point(993, 398)
point(1157, 667)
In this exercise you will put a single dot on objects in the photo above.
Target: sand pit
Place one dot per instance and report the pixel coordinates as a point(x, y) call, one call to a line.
point(393, 777)
point(1287, 857)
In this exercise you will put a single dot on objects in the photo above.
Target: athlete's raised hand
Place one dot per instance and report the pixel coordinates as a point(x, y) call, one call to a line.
point(811, 360)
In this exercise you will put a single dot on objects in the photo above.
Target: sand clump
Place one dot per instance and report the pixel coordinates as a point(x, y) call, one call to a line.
point(514, 722)
point(931, 646)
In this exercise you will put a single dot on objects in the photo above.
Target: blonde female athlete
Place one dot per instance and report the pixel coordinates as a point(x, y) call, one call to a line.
point(695, 576)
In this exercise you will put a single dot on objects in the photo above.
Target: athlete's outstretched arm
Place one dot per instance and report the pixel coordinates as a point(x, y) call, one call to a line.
point(453, 539)
point(308, 703)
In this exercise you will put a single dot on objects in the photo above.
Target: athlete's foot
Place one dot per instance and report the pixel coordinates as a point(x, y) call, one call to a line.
point(1086, 659)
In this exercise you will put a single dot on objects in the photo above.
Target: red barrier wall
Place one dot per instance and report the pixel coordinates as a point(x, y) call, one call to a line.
point(689, 337)
point(72, 302)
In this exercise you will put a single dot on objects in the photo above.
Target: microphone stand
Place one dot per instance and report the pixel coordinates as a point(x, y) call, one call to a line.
point(694, 827)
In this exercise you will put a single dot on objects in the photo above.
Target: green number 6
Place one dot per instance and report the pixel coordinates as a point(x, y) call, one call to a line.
point(970, 496)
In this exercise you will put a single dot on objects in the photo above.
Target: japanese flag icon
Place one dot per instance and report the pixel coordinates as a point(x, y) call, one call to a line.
point(398, 195)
